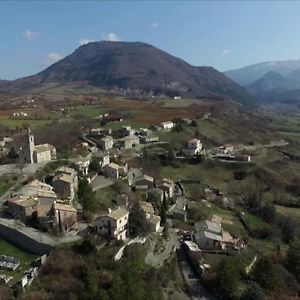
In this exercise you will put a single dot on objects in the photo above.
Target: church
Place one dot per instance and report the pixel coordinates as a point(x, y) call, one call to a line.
point(31, 153)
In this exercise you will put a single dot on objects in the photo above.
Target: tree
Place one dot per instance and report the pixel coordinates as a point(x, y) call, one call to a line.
point(194, 123)
point(166, 231)
point(293, 259)
point(266, 275)
point(253, 292)
point(86, 196)
point(163, 210)
point(138, 225)
point(227, 277)
point(288, 230)
point(171, 155)
point(269, 213)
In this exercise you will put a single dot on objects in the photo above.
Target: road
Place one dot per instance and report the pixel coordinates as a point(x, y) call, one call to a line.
point(196, 289)
point(158, 259)
point(281, 143)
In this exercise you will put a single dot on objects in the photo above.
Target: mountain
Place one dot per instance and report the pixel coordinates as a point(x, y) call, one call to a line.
point(249, 74)
point(137, 68)
point(271, 81)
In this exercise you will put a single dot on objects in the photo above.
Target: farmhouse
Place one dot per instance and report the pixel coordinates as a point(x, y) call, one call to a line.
point(113, 224)
point(208, 235)
point(167, 126)
point(194, 147)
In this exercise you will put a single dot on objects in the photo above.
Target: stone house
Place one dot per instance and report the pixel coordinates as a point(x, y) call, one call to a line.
point(167, 186)
point(65, 183)
point(111, 170)
point(107, 143)
point(65, 217)
point(153, 220)
point(129, 142)
point(113, 224)
point(145, 181)
point(22, 207)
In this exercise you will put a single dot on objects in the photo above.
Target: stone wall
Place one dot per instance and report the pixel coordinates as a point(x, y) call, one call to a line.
point(24, 241)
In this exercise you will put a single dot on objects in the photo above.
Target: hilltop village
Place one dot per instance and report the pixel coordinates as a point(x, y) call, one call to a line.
point(124, 187)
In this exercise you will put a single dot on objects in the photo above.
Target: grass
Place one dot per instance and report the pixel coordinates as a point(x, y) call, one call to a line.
point(7, 182)
point(288, 211)
point(105, 198)
point(254, 221)
point(25, 258)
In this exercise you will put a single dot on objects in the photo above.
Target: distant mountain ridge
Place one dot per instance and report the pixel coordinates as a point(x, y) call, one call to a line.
point(247, 75)
point(135, 68)
point(274, 81)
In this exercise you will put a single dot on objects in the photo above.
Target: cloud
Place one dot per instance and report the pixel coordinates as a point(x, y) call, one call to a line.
point(112, 37)
point(30, 35)
point(225, 52)
point(85, 41)
point(52, 58)
point(154, 25)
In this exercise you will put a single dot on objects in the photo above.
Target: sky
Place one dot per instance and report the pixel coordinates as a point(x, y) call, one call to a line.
point(222, 34)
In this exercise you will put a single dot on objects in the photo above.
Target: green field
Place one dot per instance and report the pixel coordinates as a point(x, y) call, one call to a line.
point(88, 111)
point(13, 123)
point(209, 172)
point(25, 258)
point(118, 125)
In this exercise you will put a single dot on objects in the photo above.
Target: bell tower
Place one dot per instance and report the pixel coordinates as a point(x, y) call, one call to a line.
point(28, 149)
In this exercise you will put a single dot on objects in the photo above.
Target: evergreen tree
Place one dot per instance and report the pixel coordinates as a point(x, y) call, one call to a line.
point(266, 275)
point(253, 292)
point(227, 278)
point(293, 259)
point(138, 225)
point(86, 196)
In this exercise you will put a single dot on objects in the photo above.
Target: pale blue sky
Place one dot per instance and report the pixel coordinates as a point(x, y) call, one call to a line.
point(221, 34)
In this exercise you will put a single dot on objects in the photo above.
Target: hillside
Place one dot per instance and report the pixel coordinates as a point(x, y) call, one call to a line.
point(137, 69)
